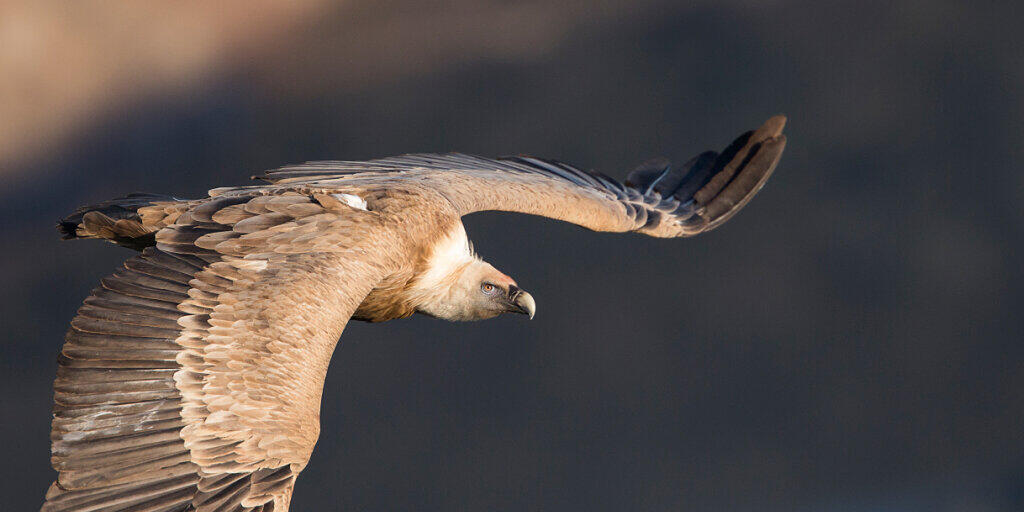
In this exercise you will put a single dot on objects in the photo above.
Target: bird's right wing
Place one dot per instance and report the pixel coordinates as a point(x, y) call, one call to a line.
point(657, 199)
point(191, 379)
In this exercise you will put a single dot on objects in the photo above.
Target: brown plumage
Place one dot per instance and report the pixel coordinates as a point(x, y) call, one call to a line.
point(191, 378)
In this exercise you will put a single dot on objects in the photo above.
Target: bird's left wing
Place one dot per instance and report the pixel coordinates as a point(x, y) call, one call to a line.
point(191, 379)
point(657, 199)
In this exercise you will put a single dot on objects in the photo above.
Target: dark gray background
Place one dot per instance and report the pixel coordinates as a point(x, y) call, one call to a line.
point(852, 341)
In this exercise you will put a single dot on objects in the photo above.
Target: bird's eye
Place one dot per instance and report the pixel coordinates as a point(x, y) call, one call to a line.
point(487, 288)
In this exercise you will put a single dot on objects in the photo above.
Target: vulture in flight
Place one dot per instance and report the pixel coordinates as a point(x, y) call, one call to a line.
point(190, 379)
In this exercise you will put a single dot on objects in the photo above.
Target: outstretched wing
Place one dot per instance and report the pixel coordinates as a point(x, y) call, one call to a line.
point(657, 199)
point(191, 379)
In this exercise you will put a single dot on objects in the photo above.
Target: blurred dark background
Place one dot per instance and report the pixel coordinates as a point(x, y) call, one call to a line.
point(851, 342)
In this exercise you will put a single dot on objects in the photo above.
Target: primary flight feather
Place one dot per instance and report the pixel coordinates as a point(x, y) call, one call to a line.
point(191, 378)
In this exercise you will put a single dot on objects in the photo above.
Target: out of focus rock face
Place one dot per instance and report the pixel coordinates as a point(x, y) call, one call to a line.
point(850, 341)
point(65, 64)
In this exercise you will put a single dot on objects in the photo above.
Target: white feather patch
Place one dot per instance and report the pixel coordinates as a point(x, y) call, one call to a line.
point(450, 253)
point(352, 200)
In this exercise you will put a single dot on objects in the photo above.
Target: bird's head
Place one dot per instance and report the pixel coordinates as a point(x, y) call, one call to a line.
point(457, 285)
point(488, 293)
point(476, 291)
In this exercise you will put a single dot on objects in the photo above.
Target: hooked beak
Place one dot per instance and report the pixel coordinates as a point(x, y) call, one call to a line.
point(521, 302)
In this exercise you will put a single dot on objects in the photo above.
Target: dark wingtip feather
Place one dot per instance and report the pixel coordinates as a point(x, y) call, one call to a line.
point(748, 181)
point(710, 188)
point(736, 156)
point(67, 229)
point(648, 172)
point(692, 176)
point(116, 220)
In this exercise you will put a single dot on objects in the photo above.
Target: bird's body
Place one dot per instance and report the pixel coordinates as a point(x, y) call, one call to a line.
point(191, 379)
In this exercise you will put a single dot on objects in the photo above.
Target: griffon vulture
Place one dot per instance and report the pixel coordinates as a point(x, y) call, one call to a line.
point(191, 378)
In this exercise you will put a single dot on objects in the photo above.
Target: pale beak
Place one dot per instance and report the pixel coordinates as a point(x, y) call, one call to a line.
point(524, 302)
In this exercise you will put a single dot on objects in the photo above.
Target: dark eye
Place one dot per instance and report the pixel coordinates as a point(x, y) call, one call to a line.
point(488, 288)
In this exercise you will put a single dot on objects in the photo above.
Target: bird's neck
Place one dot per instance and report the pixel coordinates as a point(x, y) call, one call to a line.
point(431, 291)
point(429, 288)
